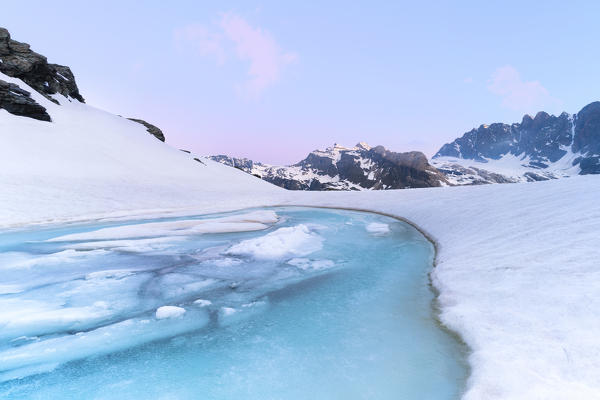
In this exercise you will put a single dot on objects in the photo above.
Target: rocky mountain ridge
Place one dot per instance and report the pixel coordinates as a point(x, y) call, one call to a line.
point(18, 61)
point(341, 168)
point(539, 148)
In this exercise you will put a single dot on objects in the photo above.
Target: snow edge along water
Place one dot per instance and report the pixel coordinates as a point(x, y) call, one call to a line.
point(436, 310)
point(435, 305)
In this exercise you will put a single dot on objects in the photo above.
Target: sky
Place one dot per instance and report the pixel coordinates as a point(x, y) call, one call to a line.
point(273, 80)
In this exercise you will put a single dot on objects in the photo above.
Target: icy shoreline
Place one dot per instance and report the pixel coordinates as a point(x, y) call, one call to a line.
point(299, 238)
point(517, 263)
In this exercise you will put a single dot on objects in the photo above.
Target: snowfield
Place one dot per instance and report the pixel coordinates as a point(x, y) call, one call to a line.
point(518, 264)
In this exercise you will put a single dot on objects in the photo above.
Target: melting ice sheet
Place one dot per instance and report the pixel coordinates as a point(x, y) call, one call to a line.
point(267, 304)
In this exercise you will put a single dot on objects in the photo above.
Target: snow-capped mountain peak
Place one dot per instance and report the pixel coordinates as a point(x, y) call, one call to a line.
point(539, 148)
point(347, 168)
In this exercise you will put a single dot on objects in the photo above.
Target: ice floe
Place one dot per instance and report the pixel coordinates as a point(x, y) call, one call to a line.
point(378, 228)
point(169, 312)
point(294, 241)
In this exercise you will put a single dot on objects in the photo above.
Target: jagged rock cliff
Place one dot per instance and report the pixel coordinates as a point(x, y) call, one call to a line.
point(152, 129)
point(340, 168)
point(539, 148)
point(18, 61)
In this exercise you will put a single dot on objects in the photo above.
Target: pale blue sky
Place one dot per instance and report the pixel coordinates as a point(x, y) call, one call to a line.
point(273, 80)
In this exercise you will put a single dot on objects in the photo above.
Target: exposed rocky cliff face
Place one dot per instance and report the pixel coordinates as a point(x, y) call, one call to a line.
point(153, 130)
point(19, 102)
point(539, 148)
point(586, 140)
point(543, 139)
point(340, 168)
point(19, 61)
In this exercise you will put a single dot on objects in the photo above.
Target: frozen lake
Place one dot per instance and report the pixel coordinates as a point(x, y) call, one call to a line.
point(281, 303)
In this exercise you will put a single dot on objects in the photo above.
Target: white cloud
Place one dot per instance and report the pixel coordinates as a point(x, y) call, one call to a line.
point(520, 95)
point(233, 35)
point(205, 42)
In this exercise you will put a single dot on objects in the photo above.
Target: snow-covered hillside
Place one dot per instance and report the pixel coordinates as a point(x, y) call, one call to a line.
point(518, 278)
point(506, 169)
point(87, 161)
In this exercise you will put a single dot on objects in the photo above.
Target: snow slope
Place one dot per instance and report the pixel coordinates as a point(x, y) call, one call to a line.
point(518, 277)
point(87, 161)
point(517, 265)
point(507, 169)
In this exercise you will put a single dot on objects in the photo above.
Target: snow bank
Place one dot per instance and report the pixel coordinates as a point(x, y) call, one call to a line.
point(165, 312)
point(284, 242)
point(518, 278)
point(87, 159)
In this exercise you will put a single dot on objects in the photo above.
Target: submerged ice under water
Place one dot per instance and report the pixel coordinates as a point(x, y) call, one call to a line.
point(288, 303)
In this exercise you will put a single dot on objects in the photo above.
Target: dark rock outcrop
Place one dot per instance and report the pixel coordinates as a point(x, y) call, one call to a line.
point(17, 60)
point(340, 168)
point(402, 170)
point(153, 130)
point(19, 102)
point(587, 138)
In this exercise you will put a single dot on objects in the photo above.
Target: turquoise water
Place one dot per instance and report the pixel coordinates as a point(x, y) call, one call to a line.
point(322, 304)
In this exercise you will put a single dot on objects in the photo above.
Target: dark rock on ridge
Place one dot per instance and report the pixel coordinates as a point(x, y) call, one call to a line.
point(587, 138)
point(401, 170)
point(19, 102)
point(153, 130)
point(542, 138)
point(19, 61)
point(539, 141)
point(340, 168)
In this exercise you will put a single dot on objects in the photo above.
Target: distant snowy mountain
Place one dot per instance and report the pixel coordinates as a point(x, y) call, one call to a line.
point(540, 148)
point(340, 168)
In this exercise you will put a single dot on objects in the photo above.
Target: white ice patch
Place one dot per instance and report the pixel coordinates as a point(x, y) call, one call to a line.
point(308, 264)
point(378, 228)
point(223, 262)
point(109, 274)
point(22, 360)
point(252, 221)
point(202, 302)
point(15, 260)
point(10, 289)
point(294, 241)
point(226, 311)
point(131, 245)
point(230, 315)
point(165, 312)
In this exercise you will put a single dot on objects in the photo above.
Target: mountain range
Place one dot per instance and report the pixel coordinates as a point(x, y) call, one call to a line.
point(538, 148)
point(341, 168)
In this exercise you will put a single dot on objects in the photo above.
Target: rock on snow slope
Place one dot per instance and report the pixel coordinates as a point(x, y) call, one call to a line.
point(517, 264)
